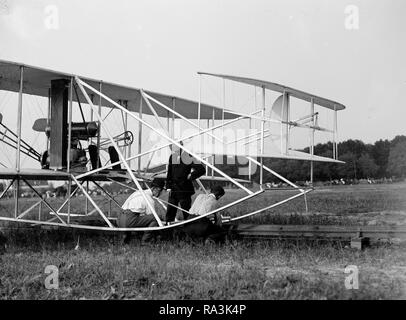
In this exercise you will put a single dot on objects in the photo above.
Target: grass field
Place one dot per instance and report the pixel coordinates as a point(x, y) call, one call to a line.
point(103, 268)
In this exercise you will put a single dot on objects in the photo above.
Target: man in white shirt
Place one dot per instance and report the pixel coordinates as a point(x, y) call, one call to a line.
point(204, 227)
point(137, 213)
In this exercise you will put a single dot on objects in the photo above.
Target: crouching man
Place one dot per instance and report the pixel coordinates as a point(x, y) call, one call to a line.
point(204, 227)
point(137, 213)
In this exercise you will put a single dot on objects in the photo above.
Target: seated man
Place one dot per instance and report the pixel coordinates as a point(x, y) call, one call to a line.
point(204, 227)
point(45, 160)
point(137, 213)
point(77, 155)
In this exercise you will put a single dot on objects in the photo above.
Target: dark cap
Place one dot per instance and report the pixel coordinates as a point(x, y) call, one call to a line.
point(217, 190)
point(158, 183)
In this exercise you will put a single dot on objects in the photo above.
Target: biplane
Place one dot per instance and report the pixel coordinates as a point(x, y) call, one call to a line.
point(74, 148)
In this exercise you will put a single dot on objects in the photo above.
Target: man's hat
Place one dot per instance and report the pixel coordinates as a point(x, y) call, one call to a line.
point(158, 183)
point(217, 189)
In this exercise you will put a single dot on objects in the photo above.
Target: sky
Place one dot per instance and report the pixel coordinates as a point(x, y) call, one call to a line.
point(313, 45)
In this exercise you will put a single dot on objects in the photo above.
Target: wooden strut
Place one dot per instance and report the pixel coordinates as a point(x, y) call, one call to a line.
point(271, 206)
point(43, 201)
point(66, 201)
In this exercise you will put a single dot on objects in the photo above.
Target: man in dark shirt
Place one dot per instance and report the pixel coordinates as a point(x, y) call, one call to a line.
point(182, 170)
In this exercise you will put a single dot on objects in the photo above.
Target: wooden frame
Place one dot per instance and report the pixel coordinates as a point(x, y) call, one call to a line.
point(125, 156)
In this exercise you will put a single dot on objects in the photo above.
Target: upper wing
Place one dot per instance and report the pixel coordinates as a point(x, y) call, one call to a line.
point(330, 104)
point(37, 82)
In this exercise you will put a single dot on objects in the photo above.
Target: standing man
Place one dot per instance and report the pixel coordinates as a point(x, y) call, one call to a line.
point(137, 213)
point(182, 170)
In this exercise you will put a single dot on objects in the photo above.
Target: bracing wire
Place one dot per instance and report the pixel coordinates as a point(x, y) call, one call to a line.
point(1, 163)
point(80, 105)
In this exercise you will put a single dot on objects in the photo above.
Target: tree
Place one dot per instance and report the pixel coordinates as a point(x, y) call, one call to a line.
point(367, 167)
point(397, 140)
point(349, 169)
point(361, 161)
point(356, 147)
point(324, 170)
point(380, 154)
point(397, 159)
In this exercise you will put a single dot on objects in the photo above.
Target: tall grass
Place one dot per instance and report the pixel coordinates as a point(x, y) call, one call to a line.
point(237, 270)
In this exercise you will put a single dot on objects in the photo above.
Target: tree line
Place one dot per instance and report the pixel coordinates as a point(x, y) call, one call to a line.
point(383, 159)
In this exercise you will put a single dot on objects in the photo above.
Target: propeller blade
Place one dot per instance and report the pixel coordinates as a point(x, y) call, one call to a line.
point(276, 111)
point(40, 125)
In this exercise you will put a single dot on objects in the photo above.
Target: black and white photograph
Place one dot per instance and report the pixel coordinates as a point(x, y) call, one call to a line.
point(201, 156)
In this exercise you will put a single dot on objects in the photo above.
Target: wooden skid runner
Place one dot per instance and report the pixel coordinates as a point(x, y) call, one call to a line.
point(311, 231)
